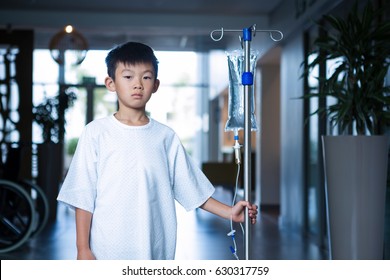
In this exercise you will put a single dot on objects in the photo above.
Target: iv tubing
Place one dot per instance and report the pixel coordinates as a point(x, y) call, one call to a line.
point(232, 232)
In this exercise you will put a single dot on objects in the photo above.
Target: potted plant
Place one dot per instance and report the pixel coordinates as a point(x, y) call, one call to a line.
point(359, 107)
point(50, 153)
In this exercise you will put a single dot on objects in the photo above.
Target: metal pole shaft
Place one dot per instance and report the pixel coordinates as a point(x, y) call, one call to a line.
point(247, 148)
point(247, 37)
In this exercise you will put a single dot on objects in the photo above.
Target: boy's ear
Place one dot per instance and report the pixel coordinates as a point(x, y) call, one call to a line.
point(156, 85)
point(109, 83)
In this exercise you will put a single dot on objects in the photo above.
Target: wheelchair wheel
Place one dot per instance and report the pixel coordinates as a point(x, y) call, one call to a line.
point(17, 216)
point(41, 205)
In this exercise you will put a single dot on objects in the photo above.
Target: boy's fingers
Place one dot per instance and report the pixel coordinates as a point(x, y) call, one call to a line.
point(249, 205)
point(252, 210)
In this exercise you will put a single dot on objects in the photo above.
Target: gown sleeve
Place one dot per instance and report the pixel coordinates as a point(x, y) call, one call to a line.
point(79, 187)
point(191, 187)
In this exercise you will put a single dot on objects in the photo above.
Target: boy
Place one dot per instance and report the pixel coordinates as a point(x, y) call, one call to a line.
point(128, 169)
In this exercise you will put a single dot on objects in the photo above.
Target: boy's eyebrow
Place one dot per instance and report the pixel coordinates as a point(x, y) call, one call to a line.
point(132, 71)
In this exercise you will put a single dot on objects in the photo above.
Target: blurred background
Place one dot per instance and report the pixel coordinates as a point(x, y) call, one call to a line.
point(52, 74)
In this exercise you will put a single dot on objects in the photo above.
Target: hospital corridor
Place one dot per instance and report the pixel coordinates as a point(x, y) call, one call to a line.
point(201, 236)
point(245, 94)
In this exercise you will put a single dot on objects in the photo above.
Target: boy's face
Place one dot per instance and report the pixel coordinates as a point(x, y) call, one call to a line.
point(134, 84)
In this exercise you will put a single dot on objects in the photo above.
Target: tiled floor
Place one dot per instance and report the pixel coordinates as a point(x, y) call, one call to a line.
point(201, 236)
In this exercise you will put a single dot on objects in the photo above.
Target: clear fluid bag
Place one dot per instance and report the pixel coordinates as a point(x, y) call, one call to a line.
point(236, 113)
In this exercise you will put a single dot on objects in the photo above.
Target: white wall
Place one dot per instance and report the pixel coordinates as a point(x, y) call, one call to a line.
point(292, 122)
point(269, 134)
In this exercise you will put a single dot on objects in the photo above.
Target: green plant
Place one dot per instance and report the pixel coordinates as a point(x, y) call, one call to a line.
point(46, 115)
point(72, 144)
point(361, 44)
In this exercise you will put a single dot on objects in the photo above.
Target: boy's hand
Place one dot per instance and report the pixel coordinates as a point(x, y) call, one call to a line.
point(238, 212)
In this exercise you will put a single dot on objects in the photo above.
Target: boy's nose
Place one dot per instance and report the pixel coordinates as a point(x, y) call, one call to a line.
point(137, 84)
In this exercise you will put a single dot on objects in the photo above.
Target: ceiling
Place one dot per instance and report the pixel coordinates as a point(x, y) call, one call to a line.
point(165, 24)
point(245, 7)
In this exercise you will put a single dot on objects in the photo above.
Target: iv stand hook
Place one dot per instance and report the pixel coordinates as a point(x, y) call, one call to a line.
point(222, 31)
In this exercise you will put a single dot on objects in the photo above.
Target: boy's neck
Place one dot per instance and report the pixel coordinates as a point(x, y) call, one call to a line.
point(132, 119)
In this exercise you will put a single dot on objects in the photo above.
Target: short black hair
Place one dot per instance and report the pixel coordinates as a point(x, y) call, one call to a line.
point(130, 53)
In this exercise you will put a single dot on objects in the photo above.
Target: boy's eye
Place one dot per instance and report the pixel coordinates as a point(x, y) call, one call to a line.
point(147, 77)
point(127, 77)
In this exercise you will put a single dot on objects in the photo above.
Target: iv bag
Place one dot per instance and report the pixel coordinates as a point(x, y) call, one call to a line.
point(236, 113)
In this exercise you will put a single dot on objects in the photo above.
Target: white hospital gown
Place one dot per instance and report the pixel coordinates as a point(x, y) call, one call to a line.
point(129, 178)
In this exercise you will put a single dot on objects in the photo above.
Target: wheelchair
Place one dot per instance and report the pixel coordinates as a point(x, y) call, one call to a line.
point(24, 210)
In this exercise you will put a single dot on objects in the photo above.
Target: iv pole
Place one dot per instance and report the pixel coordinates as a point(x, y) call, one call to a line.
point(247, 82)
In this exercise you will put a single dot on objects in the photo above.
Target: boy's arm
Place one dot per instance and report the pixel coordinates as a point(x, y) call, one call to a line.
point(237, 212)
point(83, 229)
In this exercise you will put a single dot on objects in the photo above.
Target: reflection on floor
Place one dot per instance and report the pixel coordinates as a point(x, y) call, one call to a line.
point(201, 236)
